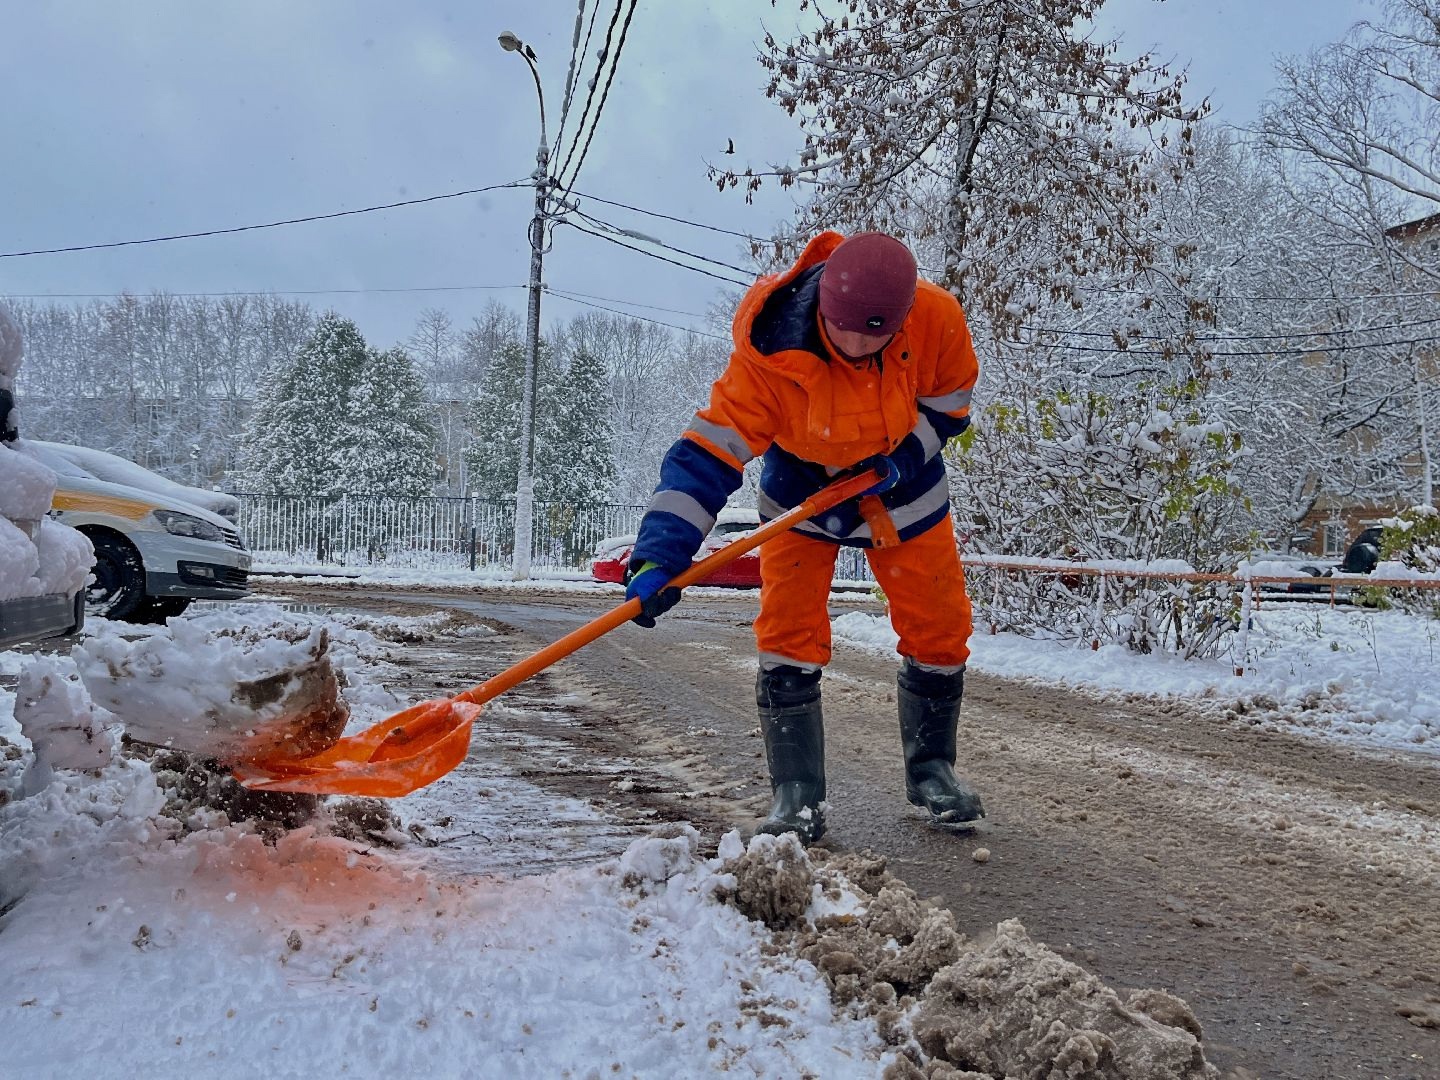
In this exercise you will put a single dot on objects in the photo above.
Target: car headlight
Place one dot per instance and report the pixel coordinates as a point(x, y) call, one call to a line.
point(188, 525)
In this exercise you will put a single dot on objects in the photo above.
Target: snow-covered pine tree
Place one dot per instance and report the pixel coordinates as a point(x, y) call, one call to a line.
point(388, 437)
point(657, 379)
point(575, 463)
point(494, 455)
point(295, 441)
point(574, 455)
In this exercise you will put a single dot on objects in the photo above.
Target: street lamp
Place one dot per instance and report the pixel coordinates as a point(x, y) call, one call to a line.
point(525, 485)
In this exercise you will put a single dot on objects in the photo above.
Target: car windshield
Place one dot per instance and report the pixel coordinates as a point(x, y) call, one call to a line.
point(727, 528)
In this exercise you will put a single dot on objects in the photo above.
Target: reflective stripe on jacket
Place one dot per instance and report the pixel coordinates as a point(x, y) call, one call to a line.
point(812, 414)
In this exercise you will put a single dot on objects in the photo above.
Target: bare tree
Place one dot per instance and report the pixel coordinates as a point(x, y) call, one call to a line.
point(1003, 131)
point(1355, 128)
point(162, 380)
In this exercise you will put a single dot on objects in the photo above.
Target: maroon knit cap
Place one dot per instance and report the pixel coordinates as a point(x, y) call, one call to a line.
point(868, 284)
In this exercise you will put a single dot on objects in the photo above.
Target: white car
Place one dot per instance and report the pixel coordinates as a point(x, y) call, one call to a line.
point(114, 469)
point(154, 552)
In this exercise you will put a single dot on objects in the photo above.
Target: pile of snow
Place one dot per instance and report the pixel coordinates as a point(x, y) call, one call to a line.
point(12, 349)
point(65, 728)
point(38, 556)
point(246, 693)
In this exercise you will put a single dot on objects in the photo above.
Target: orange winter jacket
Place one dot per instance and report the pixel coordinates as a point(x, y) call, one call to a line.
point(787, 395)
point(821, 407)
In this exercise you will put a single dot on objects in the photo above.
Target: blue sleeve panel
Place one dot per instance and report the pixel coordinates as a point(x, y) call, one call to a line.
point(668, 539)
point(910, 456)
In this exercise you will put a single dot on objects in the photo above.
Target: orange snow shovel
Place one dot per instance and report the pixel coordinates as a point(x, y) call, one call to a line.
point(420, 744)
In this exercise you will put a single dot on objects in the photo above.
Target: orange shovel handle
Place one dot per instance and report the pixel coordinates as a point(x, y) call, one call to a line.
point(818, 503)
point(427, 740)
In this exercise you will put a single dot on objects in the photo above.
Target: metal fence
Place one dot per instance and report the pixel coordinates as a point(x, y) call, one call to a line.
point(439, 533)
point(421, 533)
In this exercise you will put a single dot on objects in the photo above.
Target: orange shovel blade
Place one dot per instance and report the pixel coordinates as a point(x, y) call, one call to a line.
point(413, 748)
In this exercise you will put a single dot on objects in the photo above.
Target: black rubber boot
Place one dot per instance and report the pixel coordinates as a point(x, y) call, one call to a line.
point(929, 711)
point(790, 719)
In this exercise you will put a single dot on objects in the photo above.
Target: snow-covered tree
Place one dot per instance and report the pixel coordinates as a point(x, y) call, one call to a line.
point(1354, 129)
point(1001, 139)
point(495, 328)
point(295, 442)
point(162, 380)
point(337, 417)
point(575, 463)
point(434, 345)
point(388, 437)
point(657, 379)
point(494, 455)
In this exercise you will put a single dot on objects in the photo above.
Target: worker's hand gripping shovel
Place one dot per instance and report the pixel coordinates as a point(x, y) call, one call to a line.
point(424, 742)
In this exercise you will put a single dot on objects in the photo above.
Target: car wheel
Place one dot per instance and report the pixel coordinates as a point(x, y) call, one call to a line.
point(157, 609)
point(118, 591)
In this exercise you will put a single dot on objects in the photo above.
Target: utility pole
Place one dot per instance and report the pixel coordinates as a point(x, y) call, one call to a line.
point(525, 484)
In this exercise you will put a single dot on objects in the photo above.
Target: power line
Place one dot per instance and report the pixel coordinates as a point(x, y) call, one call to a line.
point(653, 255)
point(667, 217)
point(605, 94)
point(266, 225)
point(633, 303)
point(263, 292)
point(577, 57)
point(590, 94)
point(658, 243)
point(630, 315)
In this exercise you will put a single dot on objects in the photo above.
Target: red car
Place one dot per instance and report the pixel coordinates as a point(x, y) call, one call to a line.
point(612, 555)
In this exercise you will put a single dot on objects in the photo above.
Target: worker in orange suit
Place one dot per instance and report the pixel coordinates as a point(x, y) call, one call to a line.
point(845, 362)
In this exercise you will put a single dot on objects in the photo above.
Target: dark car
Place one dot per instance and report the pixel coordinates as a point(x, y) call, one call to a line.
point(1363, 554)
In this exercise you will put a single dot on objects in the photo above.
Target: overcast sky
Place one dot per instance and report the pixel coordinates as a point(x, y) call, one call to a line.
point(126, 120)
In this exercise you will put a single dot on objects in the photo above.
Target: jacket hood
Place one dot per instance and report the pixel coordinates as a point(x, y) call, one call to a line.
point(789, 361)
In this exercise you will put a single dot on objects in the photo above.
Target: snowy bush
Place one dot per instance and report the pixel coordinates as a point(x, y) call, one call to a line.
point(1412, 538)
point(1143, 477)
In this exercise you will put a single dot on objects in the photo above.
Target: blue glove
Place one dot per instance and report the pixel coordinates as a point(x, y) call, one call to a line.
point(646, 582)
point(878, 463)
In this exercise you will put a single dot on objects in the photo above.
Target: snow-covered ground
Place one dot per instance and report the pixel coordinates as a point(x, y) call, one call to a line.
point(144, 933)
point(1339, 672)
